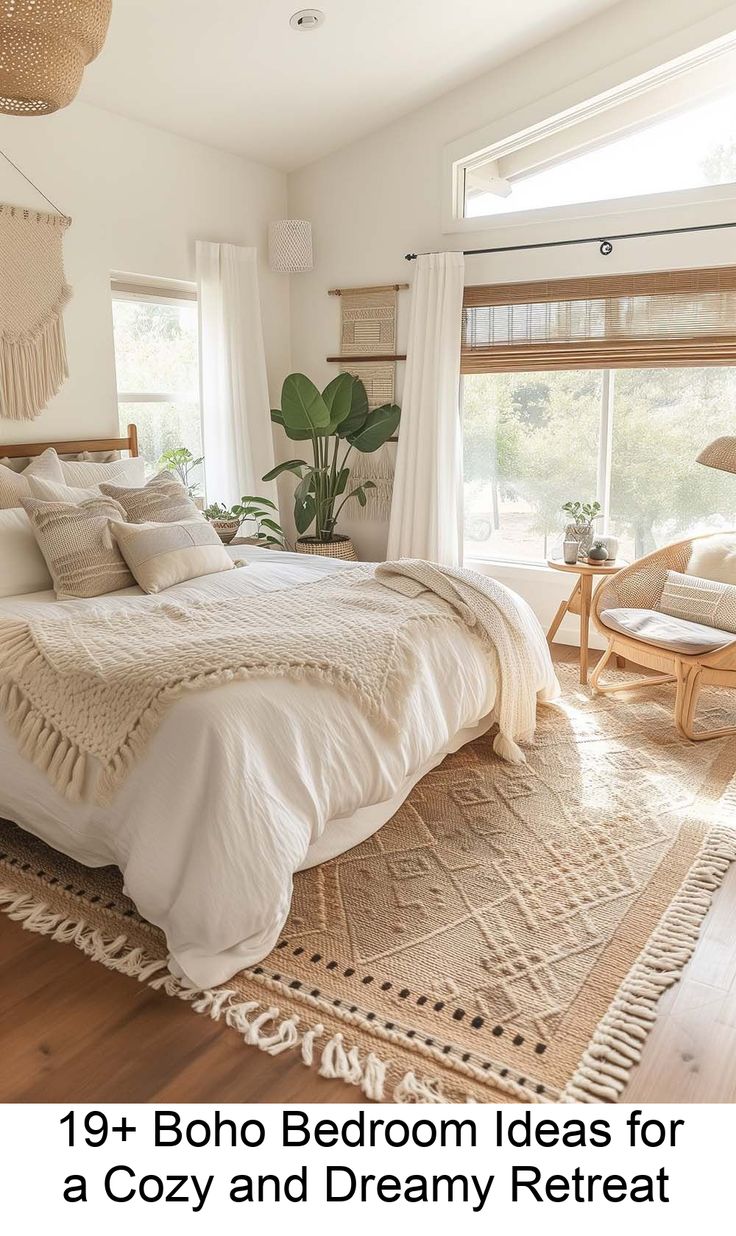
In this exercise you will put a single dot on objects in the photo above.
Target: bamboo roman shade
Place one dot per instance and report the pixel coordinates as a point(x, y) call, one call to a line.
point(682, 317)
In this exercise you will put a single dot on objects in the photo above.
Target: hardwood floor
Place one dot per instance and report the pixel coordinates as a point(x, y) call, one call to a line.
point(72, 1031)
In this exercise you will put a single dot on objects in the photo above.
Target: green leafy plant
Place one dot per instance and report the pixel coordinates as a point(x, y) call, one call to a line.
point(181, 461)
point(582, 512)
point(267, 529)
point(336, 422)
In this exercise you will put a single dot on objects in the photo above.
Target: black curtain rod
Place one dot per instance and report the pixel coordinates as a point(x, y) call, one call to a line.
point(605, 242)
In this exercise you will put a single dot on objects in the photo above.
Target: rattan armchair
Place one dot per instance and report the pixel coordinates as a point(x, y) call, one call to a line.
point(639, 586)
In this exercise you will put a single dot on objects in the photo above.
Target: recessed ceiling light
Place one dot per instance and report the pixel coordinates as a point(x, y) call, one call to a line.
point(307, 19)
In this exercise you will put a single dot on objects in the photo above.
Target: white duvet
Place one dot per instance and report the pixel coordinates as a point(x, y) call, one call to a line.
point(245, 783)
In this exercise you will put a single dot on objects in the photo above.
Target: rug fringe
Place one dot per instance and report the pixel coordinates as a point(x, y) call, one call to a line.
point(259, 1027)
point(616, 1046)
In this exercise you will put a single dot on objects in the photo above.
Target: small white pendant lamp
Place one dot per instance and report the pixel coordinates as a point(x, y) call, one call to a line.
point(290, 246)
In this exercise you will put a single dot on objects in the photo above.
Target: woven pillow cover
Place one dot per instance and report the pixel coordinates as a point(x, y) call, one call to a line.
point(699, 600)
point(163, 500)
point(74, 538)
point(161, 555)
point(87, 474)
point(14, 485)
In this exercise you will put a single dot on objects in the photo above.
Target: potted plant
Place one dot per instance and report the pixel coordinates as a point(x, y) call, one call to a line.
point(598, 552)
point(336, 422)
point(181, 461)
point(227, 521)
point(582, 516)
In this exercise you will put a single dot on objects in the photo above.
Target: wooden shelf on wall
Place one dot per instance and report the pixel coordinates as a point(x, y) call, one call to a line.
point(366, 358)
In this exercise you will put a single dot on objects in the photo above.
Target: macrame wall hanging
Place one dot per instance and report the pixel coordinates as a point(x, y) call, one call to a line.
point(33, 292)
point(368, 351)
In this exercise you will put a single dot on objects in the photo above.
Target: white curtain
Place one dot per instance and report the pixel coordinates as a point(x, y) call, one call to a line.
point(236, 420)
point(427, 508)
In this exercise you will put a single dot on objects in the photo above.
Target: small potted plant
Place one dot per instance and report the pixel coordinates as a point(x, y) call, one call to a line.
point(582, 516)
point(598, 553)
point(228, 520)
point(335, 422)
point(182, 462)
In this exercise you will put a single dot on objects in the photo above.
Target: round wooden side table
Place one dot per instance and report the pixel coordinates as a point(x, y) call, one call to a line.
point(579, 600)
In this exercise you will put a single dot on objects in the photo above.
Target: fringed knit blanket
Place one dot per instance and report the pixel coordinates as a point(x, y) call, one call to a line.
point(99, 684)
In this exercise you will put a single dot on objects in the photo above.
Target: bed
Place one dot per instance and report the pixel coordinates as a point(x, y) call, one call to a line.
point(244, 784)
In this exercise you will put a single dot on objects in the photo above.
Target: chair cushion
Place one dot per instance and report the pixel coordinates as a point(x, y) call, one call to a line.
point(664, 631)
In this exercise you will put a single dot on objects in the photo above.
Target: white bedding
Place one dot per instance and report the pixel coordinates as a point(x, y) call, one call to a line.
point(245, 783)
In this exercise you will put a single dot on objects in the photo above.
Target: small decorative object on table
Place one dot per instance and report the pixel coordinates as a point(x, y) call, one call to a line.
point(337, 419)
point(227, 521)
point(611, 544)
point(583, 515)
point(598, 553)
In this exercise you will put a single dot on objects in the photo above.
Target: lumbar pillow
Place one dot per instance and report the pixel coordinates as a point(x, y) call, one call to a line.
point(88, 475)
point(75, 540)
point(714, 557)
point(161, 555)
point(699, 600)
point(164, 500)
point(22, 565)
point(14, 485)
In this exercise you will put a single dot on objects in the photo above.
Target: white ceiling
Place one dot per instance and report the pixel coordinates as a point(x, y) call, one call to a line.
point(233, 74)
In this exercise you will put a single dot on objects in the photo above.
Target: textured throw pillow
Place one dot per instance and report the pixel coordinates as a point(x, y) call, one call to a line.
point(14, 485)
point(161, 555)
point(22, 565)
point(164, 500)
point(50, 491)
point(699, 600)
point(85, 474)
point(714, 558)
point(76, 541)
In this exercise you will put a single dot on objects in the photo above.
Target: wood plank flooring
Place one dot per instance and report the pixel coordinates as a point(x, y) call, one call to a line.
point(72, 1031)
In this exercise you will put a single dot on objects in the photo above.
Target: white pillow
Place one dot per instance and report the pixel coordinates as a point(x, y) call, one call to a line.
point(22, 565)
point(50, 491)
point(84, 475)
point(714, 557)
point(14, 485)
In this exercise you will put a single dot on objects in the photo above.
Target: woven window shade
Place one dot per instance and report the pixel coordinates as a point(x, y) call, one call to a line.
point(664, 319)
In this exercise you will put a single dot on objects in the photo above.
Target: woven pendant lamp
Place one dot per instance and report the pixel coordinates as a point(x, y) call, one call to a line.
point(720, 454)
point(44, 47)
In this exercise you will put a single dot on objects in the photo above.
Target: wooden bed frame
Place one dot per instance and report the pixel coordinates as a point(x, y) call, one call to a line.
point(23, 450)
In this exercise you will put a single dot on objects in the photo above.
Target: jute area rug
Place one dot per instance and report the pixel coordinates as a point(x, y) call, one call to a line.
point(507, 935)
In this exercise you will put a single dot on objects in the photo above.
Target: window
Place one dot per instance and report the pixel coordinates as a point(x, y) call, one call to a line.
point(602, 388)
point(157, 367)
point(628, 437)
point(670, 130)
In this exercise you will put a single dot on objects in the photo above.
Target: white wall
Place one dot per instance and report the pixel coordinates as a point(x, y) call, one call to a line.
point(381, 197)
point(139, 198)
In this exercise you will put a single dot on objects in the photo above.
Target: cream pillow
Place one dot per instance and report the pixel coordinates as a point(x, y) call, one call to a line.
point(14, 485)
point(714, 558)
point(80, 552)
point(88, 475)
point(705, 601)
point(163, 500)
point(50, 491)
point(161, 555)
point(22, 565)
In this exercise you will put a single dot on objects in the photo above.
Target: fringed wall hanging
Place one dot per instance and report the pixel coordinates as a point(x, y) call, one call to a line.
point(33, 292)
point(368, 351)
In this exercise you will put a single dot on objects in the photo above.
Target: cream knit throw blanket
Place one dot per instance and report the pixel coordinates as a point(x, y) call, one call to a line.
point(98, 685)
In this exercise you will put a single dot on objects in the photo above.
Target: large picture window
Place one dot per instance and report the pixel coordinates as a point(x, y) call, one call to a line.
point(157, 367)
point(600, 389)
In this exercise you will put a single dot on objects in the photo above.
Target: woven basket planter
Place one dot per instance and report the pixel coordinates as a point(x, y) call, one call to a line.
point(338, 547)
point(44, 48)
point(226, 529)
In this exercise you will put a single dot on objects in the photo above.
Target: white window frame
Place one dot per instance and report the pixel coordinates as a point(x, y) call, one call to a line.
point(602, 117)
point(172, 292)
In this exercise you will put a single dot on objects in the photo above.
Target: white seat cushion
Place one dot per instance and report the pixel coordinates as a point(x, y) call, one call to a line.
point(664, 631)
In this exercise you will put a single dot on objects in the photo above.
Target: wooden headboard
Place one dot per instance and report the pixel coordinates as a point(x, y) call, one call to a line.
point(23, 450)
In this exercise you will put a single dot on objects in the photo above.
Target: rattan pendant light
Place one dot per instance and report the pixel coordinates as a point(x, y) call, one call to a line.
point(44, 47)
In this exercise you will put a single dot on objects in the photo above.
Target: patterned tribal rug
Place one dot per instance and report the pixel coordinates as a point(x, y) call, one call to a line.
point(506, 935)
